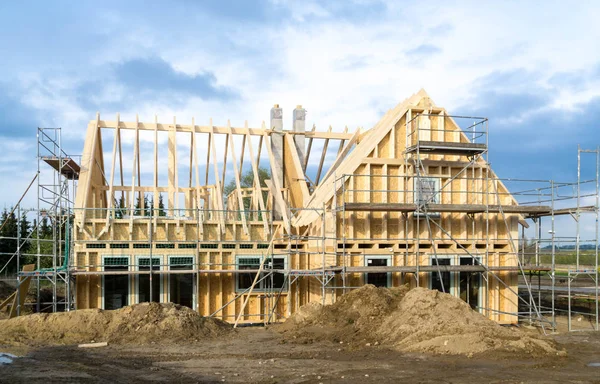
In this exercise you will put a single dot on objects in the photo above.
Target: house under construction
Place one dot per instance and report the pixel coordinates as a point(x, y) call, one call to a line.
point(412, 200)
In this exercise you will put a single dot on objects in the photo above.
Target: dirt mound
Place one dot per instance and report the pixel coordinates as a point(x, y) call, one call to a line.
point(136, 324)
point(353, 311)
point(419, 320)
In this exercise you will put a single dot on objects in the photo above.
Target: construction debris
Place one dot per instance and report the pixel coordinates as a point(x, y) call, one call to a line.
point(93, 345)
point(419, 320)
point(136, 324)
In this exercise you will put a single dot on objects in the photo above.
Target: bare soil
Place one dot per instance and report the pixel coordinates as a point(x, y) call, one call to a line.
point(368, 336)
point(419, 320)
point(259, 355)
point(137, 324)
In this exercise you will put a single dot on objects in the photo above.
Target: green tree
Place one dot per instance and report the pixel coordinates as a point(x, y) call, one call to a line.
point(8, 242)
point(146, 210)
point(47, 242)
point(13, 228)
point(120, 208)
point(247, 181)
point(25, 229)
point(45, 228)
point(161, 206)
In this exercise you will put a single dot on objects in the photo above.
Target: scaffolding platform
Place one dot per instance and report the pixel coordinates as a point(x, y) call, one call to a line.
point(42, 273)
point(465, 208)
point(294, 272)
point(440, 268)
point(69, 168)
point(447, 148)
point(568, 211)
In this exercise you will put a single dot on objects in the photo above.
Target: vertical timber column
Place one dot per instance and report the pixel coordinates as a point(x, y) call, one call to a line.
point(299, 125)
point(277, 148)
point(172, 169)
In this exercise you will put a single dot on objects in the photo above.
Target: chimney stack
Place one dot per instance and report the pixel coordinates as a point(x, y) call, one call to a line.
point(277, 148)
point(299, 125)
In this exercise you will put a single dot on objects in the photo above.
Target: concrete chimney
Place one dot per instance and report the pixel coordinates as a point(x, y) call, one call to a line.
point(299, 125)
point(277, 148)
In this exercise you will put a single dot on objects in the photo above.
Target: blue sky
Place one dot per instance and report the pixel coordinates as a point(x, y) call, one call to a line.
point(532, 67)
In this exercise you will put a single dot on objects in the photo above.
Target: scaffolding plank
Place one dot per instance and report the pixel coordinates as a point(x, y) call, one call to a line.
point(69, 169)
point(568, 211)
point(466, 208)
point(441, 268)
point(447, 148)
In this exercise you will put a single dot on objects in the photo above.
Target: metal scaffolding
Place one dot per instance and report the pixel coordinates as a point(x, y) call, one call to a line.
point(535, 200)
point(55, 179)
point(325, 255)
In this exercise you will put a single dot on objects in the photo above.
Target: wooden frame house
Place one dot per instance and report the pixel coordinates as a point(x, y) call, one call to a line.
point(410, 201)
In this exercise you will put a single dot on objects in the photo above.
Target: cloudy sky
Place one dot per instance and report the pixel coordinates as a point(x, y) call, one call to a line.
point(532, 68)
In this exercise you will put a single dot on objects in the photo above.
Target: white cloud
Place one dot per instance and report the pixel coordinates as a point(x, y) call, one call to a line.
point(347, 71)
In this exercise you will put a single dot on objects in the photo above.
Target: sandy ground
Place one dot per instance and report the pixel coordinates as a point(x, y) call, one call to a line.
point(368, 336)
point(259, 355)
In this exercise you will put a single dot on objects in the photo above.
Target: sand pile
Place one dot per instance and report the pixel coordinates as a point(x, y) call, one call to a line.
point(136, 324)
point(419, 320)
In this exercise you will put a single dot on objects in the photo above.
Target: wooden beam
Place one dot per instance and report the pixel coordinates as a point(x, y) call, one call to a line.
point(276, 183)
point(342, 142)
point(150, 188)
point(136, 150)
point(242, 156)
point(155, 186)
point(21, 292)
point(139, 173)
point(342, 154)
point(257, 188)
point(91, 151)
point(323, 154)
point(260, 145)
point(218, 192)
point(266, 255)
point(227, 136)
point(112, 180)
point(191, 176)
point(121, 165)
point(172, 177)
point(10, 298)
point(219, 130)
point(194, 150)
point(208, 158)
point(366, 143)
point(382, 161)
point(238, 186)
point(294, 174)
point(176, 173)
point(310, 141)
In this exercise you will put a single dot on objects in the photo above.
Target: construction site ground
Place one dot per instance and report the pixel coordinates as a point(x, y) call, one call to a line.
point(369, 335)
point(259, 355)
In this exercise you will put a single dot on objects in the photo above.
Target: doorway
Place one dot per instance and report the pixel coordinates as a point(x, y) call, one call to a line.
point(378, 279)
point(470, 283)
